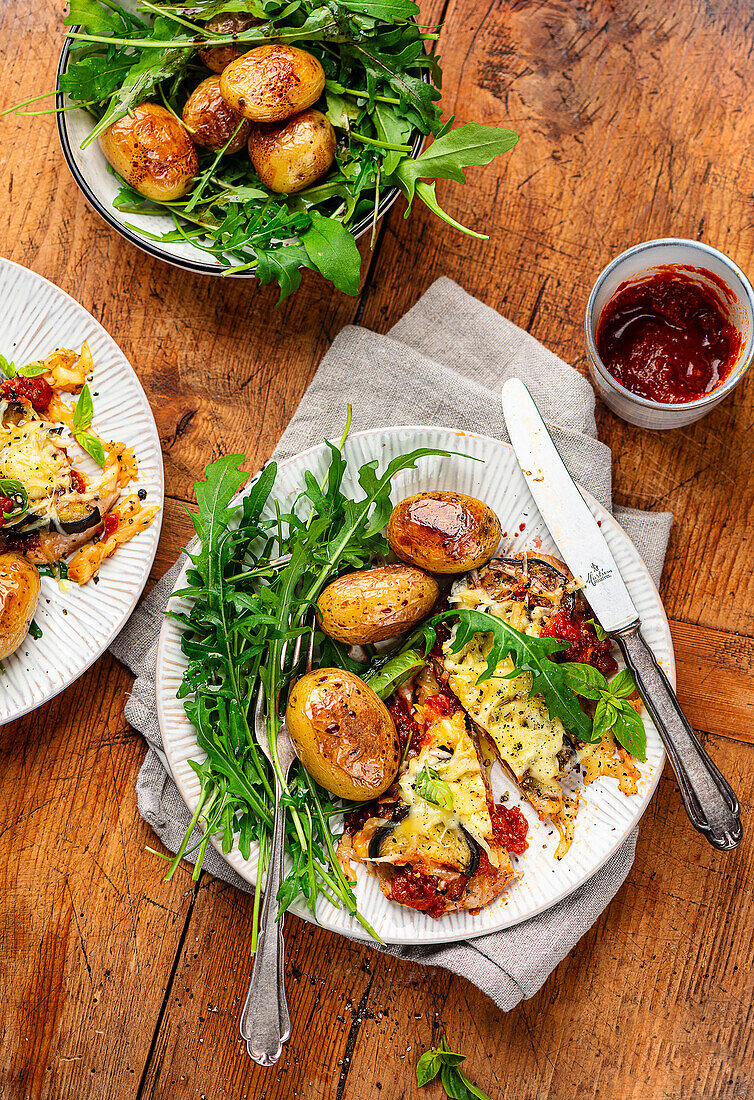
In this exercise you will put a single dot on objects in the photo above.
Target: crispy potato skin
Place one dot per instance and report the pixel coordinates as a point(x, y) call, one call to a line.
point(288, 158)
point(153, 152)
point(375, 604)
point(343, 734)
point(218, 58)
point(19, 593)
point(273, 82)
point(443, 532)
point(211, 121)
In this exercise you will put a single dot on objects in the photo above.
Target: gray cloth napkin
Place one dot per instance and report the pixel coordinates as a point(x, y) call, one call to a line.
point(443, 363)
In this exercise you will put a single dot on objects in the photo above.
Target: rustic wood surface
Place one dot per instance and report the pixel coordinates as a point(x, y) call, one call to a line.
point(635, 122)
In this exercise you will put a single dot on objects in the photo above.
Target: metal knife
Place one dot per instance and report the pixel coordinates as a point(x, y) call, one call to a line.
point(709, 801)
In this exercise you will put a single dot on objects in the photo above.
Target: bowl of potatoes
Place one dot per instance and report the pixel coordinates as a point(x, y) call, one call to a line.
point(259, 118)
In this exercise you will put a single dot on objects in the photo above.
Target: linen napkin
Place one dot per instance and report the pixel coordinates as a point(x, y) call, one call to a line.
point(443, 363)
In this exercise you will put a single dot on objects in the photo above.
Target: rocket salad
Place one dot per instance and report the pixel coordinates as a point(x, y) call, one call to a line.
point(380, 95)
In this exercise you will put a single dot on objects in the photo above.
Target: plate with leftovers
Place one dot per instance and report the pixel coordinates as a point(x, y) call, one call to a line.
point(473, 751)
point(80, 490)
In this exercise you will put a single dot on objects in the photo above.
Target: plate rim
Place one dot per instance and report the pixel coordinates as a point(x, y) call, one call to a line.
point(234, 858)
point(160, 471)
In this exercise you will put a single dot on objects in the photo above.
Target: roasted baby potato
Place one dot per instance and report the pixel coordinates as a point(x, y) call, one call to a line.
point(211, 121)
point(19, 592)
point(288, 158)
point(343, 734)
point(153, 152)
point(272, 82)
point(443, 532)
point(217, 58)
point(375, 604)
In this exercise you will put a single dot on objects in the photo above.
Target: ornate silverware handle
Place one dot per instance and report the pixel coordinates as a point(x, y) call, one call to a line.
point(709, 801)
point(265, 1022)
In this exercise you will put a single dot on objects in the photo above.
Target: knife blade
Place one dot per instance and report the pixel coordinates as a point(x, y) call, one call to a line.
point(707, 797)
point(566, 513)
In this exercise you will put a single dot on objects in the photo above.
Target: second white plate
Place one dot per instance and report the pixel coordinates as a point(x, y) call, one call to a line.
point(78, 625)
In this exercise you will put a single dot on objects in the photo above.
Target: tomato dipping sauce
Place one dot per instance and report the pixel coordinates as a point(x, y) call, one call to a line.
point(668, 338)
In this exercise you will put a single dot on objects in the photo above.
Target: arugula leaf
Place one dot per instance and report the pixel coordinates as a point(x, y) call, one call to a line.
point(388, 10)
point(223, 480)
point(154, 66)
point(333, 252)
point(392, 130)
point(450, 154)
point(284, 264)
point(426, 192)
point(430, 785)
point(7, 368)
point(384, 680)
point(529, 654)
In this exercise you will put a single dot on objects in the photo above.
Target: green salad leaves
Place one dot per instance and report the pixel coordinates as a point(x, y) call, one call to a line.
point(381, 96)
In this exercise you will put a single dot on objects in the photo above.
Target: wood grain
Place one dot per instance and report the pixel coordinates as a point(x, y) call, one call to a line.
point(635, 122)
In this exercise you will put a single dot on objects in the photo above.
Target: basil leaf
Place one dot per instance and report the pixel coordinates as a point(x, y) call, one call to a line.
point(622, 685)
point(16, 492)
point(432, 788)
point(7, 368)
point(585, 680)
point(449, 155)
point(428, 1067)
point(395, 672)
point(92, 445)
point(630, 733)
point(452, 1082)
point(601, 721)
point(472, 1090)
point(33, 370)
point(598, 629)
point(83, 412)
point(333, 252)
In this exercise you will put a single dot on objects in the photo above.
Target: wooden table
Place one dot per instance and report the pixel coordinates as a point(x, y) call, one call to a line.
point(635, 122)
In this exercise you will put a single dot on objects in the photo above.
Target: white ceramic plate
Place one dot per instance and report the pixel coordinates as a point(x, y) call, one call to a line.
point(78, 625)
point(607, 816)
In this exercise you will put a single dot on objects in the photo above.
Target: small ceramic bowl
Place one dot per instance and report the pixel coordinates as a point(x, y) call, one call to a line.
point(635, 265)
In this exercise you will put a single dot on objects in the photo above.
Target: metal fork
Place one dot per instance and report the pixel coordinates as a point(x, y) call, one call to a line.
point(265, 1020)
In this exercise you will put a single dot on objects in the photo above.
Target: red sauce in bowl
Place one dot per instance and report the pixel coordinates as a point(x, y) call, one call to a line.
point(668, 338)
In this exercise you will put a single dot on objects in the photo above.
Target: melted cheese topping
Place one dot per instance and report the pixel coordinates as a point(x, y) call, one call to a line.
point(31, 455)
point(431, 831)
point(527, 738)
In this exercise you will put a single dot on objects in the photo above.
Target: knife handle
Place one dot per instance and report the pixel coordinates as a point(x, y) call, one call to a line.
point(707, 797)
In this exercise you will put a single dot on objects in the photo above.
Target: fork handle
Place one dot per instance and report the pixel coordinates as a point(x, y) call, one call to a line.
point(265, 1022)
point(707, 797)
